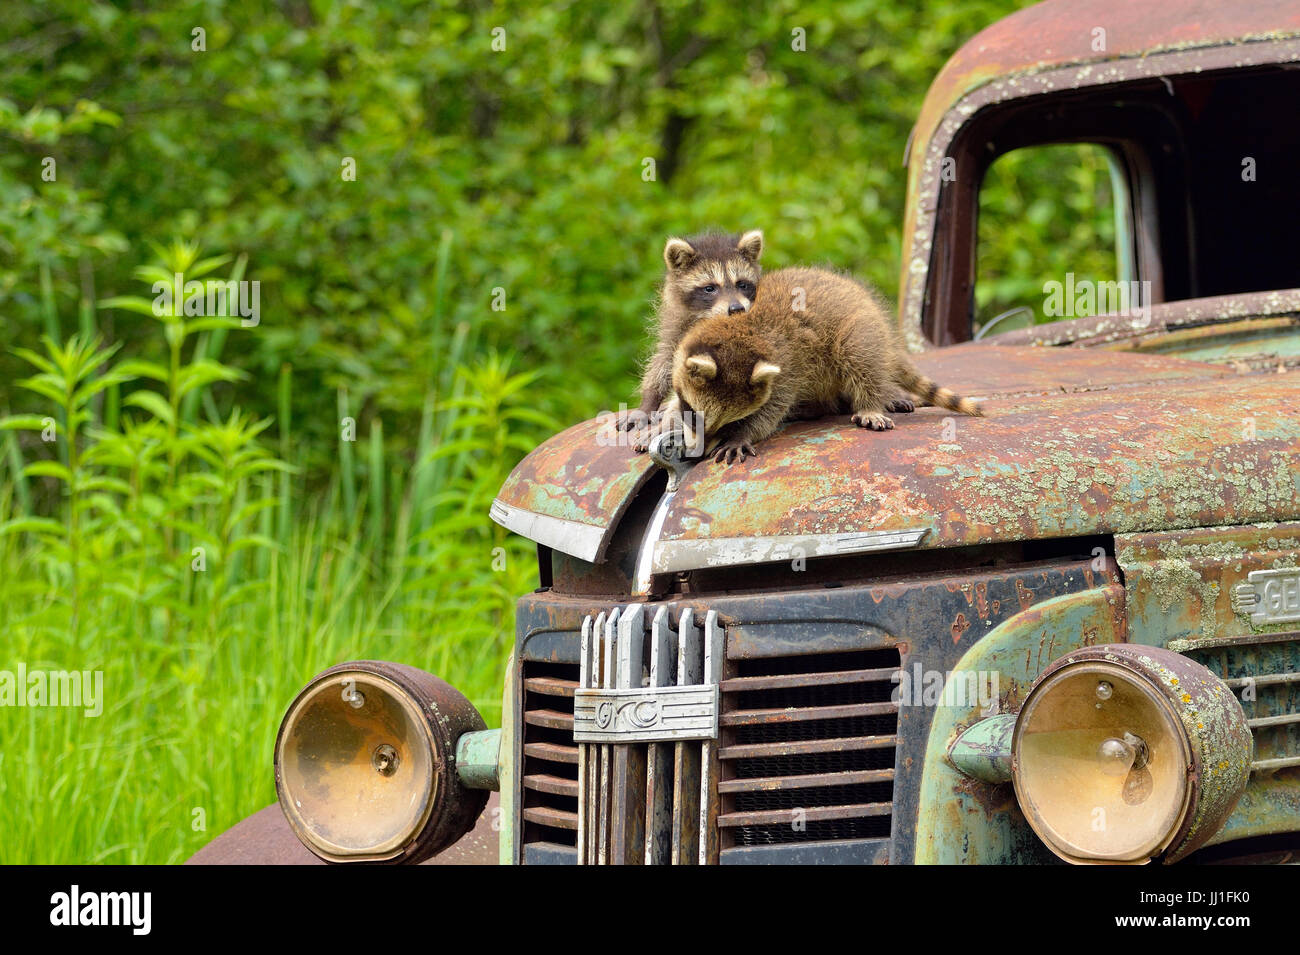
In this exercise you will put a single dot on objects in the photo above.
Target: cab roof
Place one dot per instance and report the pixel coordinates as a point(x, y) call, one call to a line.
point(1063, 44)
point(1064, 32)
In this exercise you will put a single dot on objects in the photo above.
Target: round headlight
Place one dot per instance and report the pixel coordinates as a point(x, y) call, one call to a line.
point(1123, 753)
point(365, 764)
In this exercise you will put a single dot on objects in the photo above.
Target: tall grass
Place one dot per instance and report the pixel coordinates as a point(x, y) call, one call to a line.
point(171, 543)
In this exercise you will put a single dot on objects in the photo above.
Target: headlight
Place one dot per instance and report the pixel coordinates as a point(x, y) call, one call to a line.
point(1124, 753)
point(365, 764)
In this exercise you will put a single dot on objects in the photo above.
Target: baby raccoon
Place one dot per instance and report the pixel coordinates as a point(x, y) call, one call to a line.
point(813, 343)
point(710, 274)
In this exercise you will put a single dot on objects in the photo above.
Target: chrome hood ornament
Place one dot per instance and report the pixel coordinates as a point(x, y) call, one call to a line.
point(671, 452)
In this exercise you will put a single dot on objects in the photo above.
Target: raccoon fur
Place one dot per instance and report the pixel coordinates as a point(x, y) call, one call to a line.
point(714, 273)
point(814, 342)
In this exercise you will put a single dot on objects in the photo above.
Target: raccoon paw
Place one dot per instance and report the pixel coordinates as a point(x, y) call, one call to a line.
point(873, 421)
point(634, 420)
point(901, 405)
point(733, 451)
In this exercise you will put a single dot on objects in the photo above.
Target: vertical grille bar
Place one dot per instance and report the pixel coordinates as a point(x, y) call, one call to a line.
point(686, 755)
point(585, 761)
point(606, 750)
point(659, 769)
point(627, 803)
point(713, 661)
point(647, 800)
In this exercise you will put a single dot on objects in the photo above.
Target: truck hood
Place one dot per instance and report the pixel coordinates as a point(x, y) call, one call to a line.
point(1075, 442)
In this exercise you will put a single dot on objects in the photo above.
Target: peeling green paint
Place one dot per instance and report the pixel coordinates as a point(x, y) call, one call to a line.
point(1181, 584)
point(478, 757)
point(984, 751)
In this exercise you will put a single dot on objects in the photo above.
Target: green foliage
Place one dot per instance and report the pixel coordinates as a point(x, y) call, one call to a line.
point(532, 157)
point(1044, 211)
point(168, 559)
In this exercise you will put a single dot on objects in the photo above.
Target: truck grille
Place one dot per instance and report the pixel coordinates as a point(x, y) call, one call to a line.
point(649, 802)
point(1265, 675)
point(550, 776)
point(808, 747)
point(804, 751)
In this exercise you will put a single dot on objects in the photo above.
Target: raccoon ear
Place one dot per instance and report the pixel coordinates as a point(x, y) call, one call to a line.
point(751, 245)
point(678, 254)
point(702, 366)
point(764, 371)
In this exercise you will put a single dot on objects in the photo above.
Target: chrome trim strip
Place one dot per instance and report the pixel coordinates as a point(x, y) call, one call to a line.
point(649, 542)
point(678, 555)
point(570, 537)
point(607, 666)
point(585, 755)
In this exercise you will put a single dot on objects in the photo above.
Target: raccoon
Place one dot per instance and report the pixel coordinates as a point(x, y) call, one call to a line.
point(814, 342)
point(714, 273)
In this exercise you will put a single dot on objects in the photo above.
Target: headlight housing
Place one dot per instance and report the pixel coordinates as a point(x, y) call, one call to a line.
point(365, 764)
point(1123, 753)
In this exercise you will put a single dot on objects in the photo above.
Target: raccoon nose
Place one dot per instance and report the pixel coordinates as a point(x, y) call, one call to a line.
point(735, 307)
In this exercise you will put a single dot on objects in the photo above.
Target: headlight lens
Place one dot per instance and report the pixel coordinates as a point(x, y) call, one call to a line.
point(1102, 764)
point(365, 764)
point(1125, 753)
point(357, 734)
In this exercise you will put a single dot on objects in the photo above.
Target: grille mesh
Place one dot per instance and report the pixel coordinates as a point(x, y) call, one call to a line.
point(792, 779)
point(1265, 676)
point(550, 776)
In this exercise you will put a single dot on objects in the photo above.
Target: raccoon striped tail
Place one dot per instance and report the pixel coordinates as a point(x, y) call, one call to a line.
point(930, 393)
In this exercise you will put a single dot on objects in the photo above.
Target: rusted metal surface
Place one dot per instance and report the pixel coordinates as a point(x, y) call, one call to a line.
point(1191, 592)
point(578, 483)
point(1069, 457)
point(966, 821)
point(1000, 370)
point(1207, 316)
point(1182, 586)
point(1048, 48)
point(265, 838)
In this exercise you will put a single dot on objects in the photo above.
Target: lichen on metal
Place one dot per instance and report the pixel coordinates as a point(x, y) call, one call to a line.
point(1089, 455)
point(965, 820)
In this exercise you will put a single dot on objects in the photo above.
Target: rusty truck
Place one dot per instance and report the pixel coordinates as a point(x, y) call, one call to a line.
point(1069, 630)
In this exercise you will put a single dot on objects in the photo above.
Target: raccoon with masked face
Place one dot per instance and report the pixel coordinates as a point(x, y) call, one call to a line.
point(814, 342)
point(715, 273)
